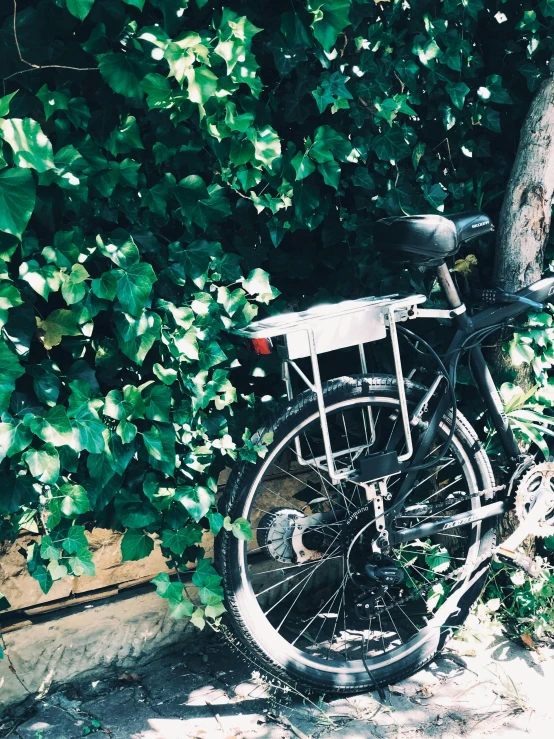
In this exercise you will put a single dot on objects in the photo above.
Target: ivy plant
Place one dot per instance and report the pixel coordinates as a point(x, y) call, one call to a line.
point(159, 159)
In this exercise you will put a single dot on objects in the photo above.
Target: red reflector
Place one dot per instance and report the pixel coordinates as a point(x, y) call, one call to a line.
point(261, 346)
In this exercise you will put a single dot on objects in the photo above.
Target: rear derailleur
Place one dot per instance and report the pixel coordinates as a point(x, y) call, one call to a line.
point(377, 575)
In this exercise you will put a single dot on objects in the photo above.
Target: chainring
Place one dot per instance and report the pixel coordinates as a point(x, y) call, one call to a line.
point(527, 492)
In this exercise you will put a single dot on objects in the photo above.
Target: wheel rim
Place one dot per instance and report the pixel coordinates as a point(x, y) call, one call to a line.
point(321, 626)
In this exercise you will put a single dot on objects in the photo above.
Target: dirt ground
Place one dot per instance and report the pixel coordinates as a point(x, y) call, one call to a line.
point(477, 688)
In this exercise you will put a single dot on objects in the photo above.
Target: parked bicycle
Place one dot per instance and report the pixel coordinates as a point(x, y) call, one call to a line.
point(374, 511)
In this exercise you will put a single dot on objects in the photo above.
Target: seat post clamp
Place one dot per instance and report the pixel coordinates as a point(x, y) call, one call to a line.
point(459, 310)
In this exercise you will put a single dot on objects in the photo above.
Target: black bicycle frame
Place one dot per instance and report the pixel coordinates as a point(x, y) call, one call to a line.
point(539, 292)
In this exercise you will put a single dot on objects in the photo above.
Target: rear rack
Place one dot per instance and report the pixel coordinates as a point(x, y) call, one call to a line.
point(329, 328)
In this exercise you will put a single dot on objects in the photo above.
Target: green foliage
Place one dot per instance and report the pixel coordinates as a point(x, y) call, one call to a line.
point(146, 196)
point(525, 605)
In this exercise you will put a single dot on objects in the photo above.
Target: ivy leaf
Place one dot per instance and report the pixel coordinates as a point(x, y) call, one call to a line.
point(10, 371)
point(202, 84)
point(435, 195)
point(134, 286)
point(43, 280)
point(17, 200)
point(165, 375)
point(391, 145)
point(74, 540)
point(216, 521)
point(457, 92)
point(197, 500)
point(438, 559)
point(44, 464)
point(158, 402)
point(133, 511)
point(120, 248)
point(122, 73)
point(330, 144)
point(57, 570)
point(105, 286)
point(17, 491)
point(135, 545)
point(242, 529)
point(494, 91)
point(178, 541)
point(73, 289)
point(74, 500)
point(160, 445)
point(80, 8)
point(5, 103)
point(31, 148)
point(136, 336)
point(330, 18)
point(53, 427)
point(82, 564)
point(210, 355)
point(87, 431)
point(332, 87)
point(257, 284)
point(43, 577)
point(331, 173)
point(59, 323)
point(52, 100)
point(267, 145)
point(126, 431)
point(14, 438)
point(211, 591)
point(47, 549)
point(303, 165)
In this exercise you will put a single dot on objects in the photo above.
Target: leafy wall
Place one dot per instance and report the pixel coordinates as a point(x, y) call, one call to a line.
point(158, 159)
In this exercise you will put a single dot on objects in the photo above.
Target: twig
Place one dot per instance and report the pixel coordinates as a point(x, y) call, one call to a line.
point(11, 668)
point(300, 734)
point(37, 66)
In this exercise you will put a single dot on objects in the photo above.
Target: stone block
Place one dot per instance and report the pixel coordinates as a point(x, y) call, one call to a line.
point(101, 638)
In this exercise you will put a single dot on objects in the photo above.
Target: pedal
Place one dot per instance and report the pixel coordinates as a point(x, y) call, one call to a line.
point(523, 562)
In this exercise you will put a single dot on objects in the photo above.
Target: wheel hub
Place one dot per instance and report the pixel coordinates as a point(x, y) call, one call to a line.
point(275, 532)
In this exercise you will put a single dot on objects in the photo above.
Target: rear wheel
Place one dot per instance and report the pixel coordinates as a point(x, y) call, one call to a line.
point(308, 597)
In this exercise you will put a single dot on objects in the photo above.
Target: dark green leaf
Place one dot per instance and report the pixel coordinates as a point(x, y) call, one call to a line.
point(80, 8)
point(135, 545)
point(17, 200)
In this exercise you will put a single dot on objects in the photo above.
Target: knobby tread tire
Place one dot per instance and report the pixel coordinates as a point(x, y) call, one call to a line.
point(283, 422)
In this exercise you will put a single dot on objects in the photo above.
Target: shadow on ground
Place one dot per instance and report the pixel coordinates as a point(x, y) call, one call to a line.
point(497, 688)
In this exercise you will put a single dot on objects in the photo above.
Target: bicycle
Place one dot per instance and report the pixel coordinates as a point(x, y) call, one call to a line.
point(374, 511)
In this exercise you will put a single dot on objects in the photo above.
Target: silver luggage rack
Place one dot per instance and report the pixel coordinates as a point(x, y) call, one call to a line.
point(338, 326)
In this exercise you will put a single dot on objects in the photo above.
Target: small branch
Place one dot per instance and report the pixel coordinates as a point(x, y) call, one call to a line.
point(37, 66)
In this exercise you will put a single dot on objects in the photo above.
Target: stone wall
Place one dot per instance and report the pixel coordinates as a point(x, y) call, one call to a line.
point(113, 636)
point(92, 625)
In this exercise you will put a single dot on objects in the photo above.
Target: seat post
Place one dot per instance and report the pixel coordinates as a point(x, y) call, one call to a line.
point(448, 287)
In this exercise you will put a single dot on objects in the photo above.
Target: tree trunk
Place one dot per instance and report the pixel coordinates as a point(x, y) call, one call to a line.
point(524, 227)
point(526, 210)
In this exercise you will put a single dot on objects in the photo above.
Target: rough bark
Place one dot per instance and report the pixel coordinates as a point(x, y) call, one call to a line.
point(527, 207)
